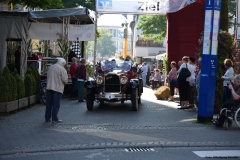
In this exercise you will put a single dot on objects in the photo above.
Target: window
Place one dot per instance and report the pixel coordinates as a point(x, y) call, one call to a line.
point(114, 33)
point(121, 45)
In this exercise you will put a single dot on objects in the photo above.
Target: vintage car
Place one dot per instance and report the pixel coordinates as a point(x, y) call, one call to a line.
point(117, 82)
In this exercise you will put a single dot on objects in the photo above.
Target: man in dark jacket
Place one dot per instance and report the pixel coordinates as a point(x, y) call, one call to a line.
point(17, 55)
point(71, 55)
point(81, 78)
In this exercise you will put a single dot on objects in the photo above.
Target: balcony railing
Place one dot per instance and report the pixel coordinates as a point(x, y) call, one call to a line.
point(150, 43)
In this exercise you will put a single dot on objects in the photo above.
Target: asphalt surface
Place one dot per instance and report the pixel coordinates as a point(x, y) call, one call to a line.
point(156, 124)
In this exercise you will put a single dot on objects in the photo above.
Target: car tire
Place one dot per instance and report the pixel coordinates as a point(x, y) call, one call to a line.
point(139, 99)
point(89, 103)
point(89, 100)
point(134, 97)
point(101, 103)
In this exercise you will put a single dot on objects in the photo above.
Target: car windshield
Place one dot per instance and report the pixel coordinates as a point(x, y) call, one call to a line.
point(116, 65)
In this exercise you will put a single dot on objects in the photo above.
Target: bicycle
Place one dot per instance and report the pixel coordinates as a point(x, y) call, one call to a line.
point(42, 91)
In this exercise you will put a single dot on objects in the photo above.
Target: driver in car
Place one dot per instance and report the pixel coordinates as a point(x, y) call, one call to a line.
point(126, 66)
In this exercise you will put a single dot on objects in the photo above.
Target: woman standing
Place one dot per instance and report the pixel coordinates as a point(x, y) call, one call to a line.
point(172, 78)
point(228, 76)
point(184, 84)
point(192, 79)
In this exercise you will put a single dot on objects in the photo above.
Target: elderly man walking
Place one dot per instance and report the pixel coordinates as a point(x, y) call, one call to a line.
point(57, 77)
point(81, 77)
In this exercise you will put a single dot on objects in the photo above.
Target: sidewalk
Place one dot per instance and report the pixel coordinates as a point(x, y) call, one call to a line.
point(156, 124)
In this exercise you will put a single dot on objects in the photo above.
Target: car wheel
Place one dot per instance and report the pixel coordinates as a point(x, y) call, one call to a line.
point(139, 99)
point(89, 103)
point(101, 103)
point(134, 99)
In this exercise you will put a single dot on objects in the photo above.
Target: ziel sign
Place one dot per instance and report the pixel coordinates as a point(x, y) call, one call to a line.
point(141, 6)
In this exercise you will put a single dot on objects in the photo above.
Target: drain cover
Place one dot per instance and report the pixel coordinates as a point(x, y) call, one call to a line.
point(88, 128)
point(138, 149)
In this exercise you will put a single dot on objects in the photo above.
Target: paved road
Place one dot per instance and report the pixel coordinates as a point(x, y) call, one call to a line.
point(156, 124)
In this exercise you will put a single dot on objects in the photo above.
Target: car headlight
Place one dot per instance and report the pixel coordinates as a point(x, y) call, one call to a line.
point(99, 80)
point(123, 80)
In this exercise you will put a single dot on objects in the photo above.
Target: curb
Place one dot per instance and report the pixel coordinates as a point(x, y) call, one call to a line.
point(37, 149)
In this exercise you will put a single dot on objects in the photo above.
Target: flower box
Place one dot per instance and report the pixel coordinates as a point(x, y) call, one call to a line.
point(23, 102)
point(32, 99)
point(6, 107)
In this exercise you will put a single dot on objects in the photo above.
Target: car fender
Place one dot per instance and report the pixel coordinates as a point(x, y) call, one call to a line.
point(89, 84)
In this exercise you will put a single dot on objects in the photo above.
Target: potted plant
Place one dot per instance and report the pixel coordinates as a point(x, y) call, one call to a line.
point(64, 46)
point(22, 100)
point(128, 56)
point(30, 87)
point(8, 92)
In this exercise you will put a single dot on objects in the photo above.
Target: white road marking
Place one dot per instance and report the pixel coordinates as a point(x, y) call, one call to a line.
point(220, 153)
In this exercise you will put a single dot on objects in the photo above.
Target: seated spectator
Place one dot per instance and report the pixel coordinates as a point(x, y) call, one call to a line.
point(156, 79)
point(162, 78)
point(235, 90)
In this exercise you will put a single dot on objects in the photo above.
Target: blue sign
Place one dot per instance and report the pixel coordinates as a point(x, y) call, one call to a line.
point(209, 60)
point(209, 4)
point(104, 4)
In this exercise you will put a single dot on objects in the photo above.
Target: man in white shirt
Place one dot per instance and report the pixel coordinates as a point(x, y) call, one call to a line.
point(57, 77)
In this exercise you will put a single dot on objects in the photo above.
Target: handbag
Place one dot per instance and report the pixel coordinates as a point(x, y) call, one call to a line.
point(184, 74)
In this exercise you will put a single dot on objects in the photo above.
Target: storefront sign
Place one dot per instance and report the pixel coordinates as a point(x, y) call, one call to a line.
point(141, 6)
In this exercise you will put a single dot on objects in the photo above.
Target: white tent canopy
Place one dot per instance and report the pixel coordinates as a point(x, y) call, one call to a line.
point(16, 24)
point(160, 56)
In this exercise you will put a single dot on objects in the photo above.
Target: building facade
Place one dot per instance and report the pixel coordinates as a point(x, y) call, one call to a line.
point(144, 51)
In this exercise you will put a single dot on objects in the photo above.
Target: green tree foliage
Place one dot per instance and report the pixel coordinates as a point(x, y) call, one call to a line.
point(6, 75)
point(14, 87)
point(90, 4)
point(231, 12)
point(105, 45)
point(3, 89)
point(5, 70)
point(31, 73)
point(227, 49)
point(224, 16)
point(53, 4)
point(15, 71)
point(28, 85)
point(20, 86)
point(43, 4)
point(153, 27)
point(64, 46)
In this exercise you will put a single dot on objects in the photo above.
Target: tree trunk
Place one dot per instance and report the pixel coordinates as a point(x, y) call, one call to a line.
point(224, 16)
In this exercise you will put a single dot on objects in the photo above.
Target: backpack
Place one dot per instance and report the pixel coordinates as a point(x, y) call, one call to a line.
point(184, 74)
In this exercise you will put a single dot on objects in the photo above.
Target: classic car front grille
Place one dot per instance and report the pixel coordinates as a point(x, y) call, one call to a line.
point(112, 83)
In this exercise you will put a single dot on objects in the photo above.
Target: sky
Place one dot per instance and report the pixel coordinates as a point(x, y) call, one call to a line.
point(113, 19)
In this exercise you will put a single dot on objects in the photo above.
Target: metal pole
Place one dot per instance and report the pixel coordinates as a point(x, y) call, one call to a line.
point(95, 44)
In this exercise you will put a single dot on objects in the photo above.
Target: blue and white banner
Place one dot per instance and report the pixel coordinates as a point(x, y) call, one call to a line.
point(161, 7)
